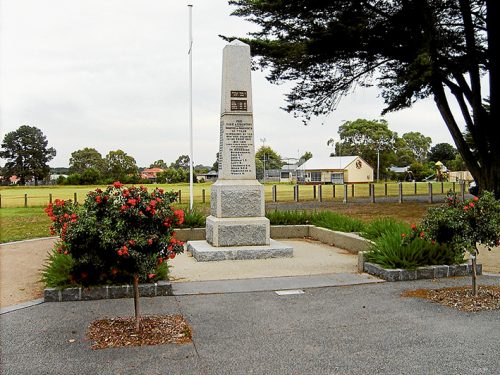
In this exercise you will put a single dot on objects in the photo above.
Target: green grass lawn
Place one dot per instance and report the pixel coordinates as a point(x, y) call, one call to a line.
point(35, 196)
point(23, 223)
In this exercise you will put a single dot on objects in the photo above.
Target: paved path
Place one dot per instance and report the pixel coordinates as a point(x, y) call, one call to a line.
point(359, 329)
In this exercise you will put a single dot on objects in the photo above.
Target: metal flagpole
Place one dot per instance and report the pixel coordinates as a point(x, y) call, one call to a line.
point(190, 52)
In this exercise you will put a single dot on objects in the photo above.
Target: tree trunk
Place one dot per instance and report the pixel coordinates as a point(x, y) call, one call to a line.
point(136, 302)
point(474, 274)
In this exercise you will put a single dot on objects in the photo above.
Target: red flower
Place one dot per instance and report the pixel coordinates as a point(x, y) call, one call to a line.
point(422, 234)
point(466, 208)
point(413, 226)
point(179, 214)
point(151, 275)
point(125, 193)
point(172, 255)
point(114, 271)
point(120, 253)
point(131, 242)
point(117, 184)
point(98, 199)
point(471, 204)
point(150, 242)
point(132, 202)
point(403, 234)
point(476, 199)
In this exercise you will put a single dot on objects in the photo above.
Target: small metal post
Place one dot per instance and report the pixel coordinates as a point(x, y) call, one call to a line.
point(442, 187)
point(203, 195)
point(333, 190)
point(320, 193)
point(50, 198)
point(400, 192)
point(430, 192)
point(385, 189)
point(345, 194)
point(296, 193)
point(314, 192)
point(453, 186)
point(179, 194)
point(273, 191)
point(415, 188)
point(25, 200)
point(75, 198)
point(352, 190)
point(372, 192)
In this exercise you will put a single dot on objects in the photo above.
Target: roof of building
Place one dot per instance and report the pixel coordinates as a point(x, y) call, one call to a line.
point(152, 170)
point(331, 162)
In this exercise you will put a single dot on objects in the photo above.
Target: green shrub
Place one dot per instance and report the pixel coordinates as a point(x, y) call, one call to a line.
point(57, 269)
point(193, 219)
point(376, 228)
point(334, 221)
point(289, 217)
point(410, 249)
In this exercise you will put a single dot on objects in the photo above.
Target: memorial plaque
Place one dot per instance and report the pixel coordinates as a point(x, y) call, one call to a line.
point(238, 105)
point(238, 94)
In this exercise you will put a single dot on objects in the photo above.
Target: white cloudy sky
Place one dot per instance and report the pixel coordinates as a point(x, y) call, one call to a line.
point(114, 75)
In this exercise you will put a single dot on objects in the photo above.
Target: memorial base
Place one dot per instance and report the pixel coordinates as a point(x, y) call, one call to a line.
point(202, 251)
point(241, 231)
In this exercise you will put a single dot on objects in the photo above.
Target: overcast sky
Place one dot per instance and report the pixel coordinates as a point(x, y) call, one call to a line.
point(114, 75)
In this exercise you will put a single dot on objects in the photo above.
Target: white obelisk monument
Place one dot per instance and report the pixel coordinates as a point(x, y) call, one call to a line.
point(237, 227)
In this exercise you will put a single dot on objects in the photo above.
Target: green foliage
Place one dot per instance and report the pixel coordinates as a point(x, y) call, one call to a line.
point(117, 233)
point(324, 219)
point(464, 224)
point(443, 152)
point(364, 137)
point(27, 154)
point(270, 158)
point(119, 165)
point(86, 158)
point(194, 219)
point(376, 228)
point(393, 250)
point(57, 269)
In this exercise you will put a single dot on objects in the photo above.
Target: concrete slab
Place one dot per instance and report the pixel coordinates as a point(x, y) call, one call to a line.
point(202, 251)
point(309, 258)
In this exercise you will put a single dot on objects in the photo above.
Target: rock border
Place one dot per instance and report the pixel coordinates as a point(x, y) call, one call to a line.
point(428, 272)
point(161, 288)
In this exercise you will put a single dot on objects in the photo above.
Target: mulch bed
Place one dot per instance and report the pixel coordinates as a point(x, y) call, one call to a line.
point(461, 298)
point(154, 330)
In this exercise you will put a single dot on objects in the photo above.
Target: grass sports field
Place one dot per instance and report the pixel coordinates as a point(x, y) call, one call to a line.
point(37, 196)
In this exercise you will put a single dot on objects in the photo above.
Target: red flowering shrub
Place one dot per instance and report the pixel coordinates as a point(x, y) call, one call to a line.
point(117, 233)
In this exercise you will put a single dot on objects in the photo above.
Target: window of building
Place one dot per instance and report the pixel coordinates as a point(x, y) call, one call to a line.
point(337, 178)
point(316, 176)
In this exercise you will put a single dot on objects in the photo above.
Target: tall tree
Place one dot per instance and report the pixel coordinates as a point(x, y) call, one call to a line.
point(119, 165)
point(307, 155)
point(159, 164)
point(27, 154)
point(181, 162)
point(418, 144)
point(368, 139)
point(270, 158)
point(86, 158)
point(411, 49)
point(442, 152)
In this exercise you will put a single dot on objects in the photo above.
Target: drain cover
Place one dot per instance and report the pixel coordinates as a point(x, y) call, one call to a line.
point(288, 292)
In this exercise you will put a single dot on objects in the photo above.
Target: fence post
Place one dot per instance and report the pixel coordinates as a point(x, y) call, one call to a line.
point(314, 192)
point(400, 192)
point(203, 195)
point(273, 191)
point(0, 200)
point(430, 192)
point(442, 187)
point(453, 186)
point(179, 194)
point(75, 198)
point(333, 190)
point(320, 193)
point(372, 192)
point(463, 190)
point(352, 190)
point(50, 198)
point(415, 187)
point(345, 193)
point(296, 193)
point(385, 189)
point(25, 200)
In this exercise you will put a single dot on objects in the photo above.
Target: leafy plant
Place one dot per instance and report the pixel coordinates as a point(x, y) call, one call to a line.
point(118, 235)
point(193, 219)
point(335, 221)
point(376, 228)
point(463, 225)
point(410, 249)
point(57, 269)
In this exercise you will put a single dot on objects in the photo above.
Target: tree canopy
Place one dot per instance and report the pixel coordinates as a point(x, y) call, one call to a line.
point(86, 158)
point(27, 153)
point(270, 158)
point(442, 152)
point(411, 49)
point(119, 165)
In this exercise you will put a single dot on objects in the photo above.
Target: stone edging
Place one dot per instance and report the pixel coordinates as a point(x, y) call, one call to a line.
point(161, 288)
point(428, 272)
